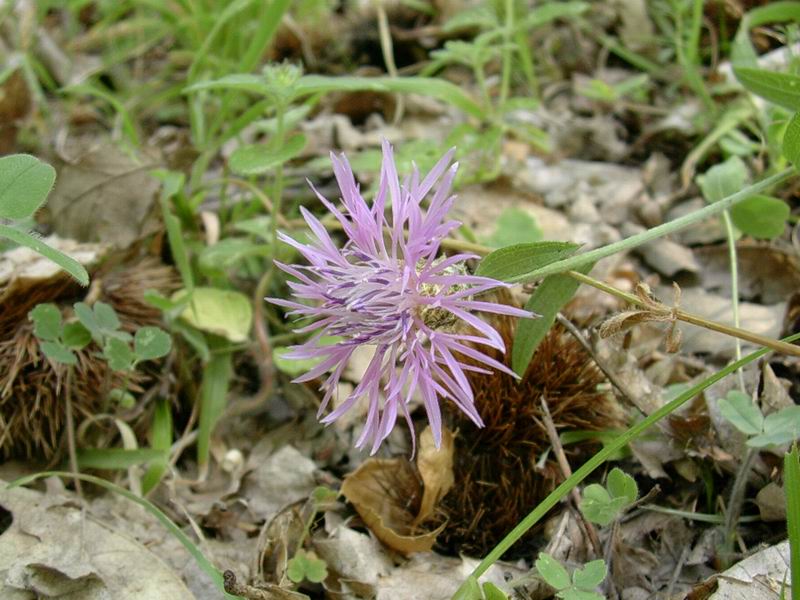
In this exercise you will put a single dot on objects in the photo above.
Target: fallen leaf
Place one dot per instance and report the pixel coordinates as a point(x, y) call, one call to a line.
point(53, 550)
point(435, 466)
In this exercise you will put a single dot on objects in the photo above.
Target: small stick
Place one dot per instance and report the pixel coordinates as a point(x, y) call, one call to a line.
point(566, 472)
point(610, 375)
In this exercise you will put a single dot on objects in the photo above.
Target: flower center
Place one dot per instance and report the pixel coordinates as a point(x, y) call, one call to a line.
point(436, 317)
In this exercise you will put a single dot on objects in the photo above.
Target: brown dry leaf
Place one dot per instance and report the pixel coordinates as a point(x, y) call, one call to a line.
point(103, 194)
point(435, 466)
point(51, 550)
point(379, 489)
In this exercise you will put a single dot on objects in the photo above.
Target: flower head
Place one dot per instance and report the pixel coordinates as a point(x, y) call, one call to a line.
point(387, 287)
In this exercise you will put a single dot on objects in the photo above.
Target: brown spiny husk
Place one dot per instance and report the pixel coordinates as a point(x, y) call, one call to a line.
point(32, 389)
point(497, 478)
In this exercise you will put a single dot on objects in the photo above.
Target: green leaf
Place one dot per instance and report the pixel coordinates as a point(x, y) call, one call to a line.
point(552, 571)
point(549, 298)
point(738, 408)
point(492, 592)
point(213, 398)
point(160, 439)
point(25, 182)
point(118, 354)
point(590, 576)
point(514, 226)
point(598, 506)
point(576, 594)
point(779, 428)
point(622, 485)
point(791, 141)
point(791, 481)
point(723, 180)
point(782, 89)
point(86, 316)
point(69, 264)
point(46, 322)
point(306, 565)
point(762, 217)
point(116, 458)
point(106, 317)
point(295, 367)
point(59, 353)
point(323, 496)
point(150, 343)
point(550, 11)
point(76, 336)
point(519, 259)
point(222, 312)
point(122, 397)
point(255, 159)
point(316, 570)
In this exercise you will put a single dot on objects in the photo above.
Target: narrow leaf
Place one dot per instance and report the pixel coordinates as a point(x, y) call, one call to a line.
point(791, 141)
point(255, 159)
point(116, 458)
point(213, 398)
point(782, 89)
point(513, 261)
point(791, 479)
point(69, 264)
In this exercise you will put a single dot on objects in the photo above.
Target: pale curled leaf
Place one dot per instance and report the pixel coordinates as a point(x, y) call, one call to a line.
point(435, 466)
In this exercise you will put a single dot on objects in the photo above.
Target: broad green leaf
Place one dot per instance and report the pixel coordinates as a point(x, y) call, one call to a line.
point(514, 226)
point(46, 322)
point(256, 159)
point(296, 568)
point(576, 594)
point(779, 428)
point(622, 485)
point(87, 318)
point(492, 592)
point(738, 408)
point(598, 506)
point(150, 343)
point(76, 336)
point(791, 141)
point(116, 458)
point(723, 180)
point(213, 399)
point(762, 217)
point(227, 253)
point(519, 259)
point(106, 317)
point(743, 54)
point(782, 89)
point(25, 182)
point(222, 312)
point(547, 299)
point(59, 353)
point(316, 570)
point(295, 367)
point(118, 354)
point(590, 576)
point(552, 571)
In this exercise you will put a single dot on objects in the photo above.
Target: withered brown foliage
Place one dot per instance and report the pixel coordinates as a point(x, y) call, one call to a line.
point(497, 480)
point(32, 394)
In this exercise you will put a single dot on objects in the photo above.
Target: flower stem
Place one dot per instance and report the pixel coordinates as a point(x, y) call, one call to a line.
point(729, 232)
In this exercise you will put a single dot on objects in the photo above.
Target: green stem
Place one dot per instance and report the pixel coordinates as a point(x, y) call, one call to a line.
point(277, 188)
point(598, 459)
point(731, 235)
point(584, 258)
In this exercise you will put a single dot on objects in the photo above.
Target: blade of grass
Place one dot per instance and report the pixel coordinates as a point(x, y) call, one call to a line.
point(791, 476)
point(69, 264)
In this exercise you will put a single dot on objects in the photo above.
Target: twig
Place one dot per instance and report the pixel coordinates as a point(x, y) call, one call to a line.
point(735, 502)
point(71, 448)
point(610, 375)
point(566, 472)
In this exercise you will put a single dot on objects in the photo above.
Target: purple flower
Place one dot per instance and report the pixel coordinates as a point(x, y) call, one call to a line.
point(388, 288)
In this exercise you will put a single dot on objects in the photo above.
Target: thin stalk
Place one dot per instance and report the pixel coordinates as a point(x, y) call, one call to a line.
point(679, 314)
point(596, 461)
point(734, 266)
point(277, 188)
point(735, 503)
point(654, 233)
